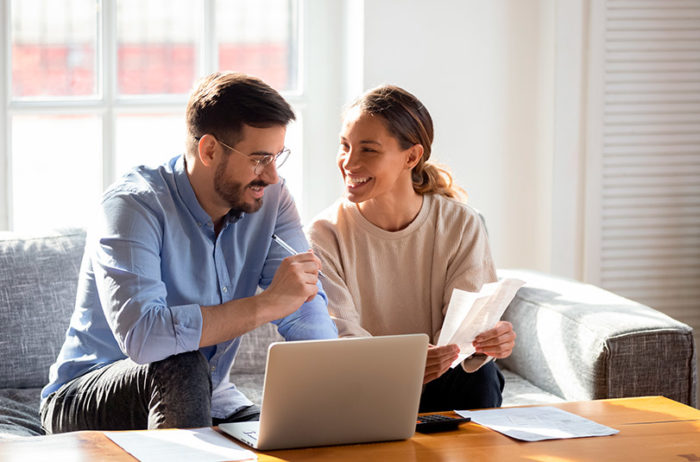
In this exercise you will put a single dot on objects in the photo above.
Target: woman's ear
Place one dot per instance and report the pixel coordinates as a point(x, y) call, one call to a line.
point(206, 149)
point(415, 152)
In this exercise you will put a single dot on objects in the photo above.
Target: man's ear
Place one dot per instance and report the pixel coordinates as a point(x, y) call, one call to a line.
point(415, 152)
point(206, 149)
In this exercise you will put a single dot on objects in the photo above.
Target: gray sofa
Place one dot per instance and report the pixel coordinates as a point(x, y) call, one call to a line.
point(575, 341)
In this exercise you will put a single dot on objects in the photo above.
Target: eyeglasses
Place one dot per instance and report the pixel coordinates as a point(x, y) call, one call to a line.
point(262, 160)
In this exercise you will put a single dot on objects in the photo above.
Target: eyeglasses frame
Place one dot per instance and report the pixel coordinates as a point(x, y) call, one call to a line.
point(263, 160)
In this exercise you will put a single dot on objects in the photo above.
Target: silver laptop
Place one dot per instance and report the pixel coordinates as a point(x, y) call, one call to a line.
point(342, 391)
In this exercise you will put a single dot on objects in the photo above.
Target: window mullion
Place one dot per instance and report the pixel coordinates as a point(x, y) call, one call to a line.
point(6, 189)
point(208, 51)
point(108, 65)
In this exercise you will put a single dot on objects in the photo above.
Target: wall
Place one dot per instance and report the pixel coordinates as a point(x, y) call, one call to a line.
point(485, 72)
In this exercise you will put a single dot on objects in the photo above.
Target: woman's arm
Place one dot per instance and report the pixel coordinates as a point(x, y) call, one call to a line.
point(341, 306)
point(471, 267)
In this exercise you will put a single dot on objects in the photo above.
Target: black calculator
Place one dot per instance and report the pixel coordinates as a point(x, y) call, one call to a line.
point(432, 423)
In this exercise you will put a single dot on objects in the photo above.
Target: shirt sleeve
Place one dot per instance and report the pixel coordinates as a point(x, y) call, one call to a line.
point(125, 257)
point(341, 306)
point(311, 321)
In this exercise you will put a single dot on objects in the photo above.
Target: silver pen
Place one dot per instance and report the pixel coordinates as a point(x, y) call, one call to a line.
point(291, 250)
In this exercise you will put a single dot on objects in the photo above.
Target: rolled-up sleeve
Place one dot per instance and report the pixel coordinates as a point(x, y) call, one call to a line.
point(311, 321)
point(126, 261)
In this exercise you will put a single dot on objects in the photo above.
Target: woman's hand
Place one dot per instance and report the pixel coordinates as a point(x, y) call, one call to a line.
point(497, 342)
point(439, 360)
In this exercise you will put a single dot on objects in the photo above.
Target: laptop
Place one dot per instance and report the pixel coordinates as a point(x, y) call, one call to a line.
point(341, 391)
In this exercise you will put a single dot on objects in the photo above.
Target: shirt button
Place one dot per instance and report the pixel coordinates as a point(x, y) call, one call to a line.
point(213, 368)
point(225, 289)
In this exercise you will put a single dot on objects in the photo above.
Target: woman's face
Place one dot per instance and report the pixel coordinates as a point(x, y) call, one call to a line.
point(370, 160)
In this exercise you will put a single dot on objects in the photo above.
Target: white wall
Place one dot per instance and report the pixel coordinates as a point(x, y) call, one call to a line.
point(485, 71)
point(320, 114)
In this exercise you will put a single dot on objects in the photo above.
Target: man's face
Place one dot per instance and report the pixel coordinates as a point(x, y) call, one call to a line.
point(236, 183)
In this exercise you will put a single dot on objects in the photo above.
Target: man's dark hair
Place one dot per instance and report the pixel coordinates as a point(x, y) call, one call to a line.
point(223, 102)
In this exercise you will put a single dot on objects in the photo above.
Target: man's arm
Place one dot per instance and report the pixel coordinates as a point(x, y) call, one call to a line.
point(311, 319)
point(125, 252)
point(293, 286)
point(127, 258)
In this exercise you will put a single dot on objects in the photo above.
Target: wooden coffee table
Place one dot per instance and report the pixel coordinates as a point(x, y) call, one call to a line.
point(651, 428)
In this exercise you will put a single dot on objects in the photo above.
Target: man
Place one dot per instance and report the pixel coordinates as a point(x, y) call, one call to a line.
point(170, 272)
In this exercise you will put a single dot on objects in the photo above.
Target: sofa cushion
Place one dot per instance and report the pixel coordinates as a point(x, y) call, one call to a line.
point(519, 392)
point(38, 282)
point(19, 412)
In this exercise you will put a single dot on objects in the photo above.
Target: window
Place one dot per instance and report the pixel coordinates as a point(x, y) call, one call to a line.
point(95, 87)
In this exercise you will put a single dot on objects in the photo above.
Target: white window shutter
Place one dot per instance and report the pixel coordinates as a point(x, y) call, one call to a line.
point(643, 153)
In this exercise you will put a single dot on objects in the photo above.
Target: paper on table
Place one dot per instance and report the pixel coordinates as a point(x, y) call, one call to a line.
point(200, 444)
point(471, 313)
point(537, 423)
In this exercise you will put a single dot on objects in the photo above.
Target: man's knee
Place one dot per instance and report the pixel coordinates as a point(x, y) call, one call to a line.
point(190, 366)
point(182, 392)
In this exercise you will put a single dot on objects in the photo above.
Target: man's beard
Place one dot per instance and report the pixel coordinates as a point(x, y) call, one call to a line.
point(232, 191)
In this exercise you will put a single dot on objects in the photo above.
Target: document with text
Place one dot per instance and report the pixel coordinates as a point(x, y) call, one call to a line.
point(537, 423)
point(471, 313)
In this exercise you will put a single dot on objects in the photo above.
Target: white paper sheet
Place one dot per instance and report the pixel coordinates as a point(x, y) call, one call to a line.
point(537, 423)
point(200, 444)
point(471, 313)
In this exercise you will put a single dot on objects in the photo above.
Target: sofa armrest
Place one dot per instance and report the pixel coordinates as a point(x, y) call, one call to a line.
point(581, 342)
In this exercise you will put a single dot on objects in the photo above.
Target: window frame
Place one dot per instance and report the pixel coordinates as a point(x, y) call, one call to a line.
point(107, 103)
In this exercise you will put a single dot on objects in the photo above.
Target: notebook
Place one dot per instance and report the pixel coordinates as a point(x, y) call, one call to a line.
point(341, 391)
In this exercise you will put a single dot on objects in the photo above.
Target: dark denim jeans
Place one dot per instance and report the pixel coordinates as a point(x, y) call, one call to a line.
point(457, 389)
point(172, 393)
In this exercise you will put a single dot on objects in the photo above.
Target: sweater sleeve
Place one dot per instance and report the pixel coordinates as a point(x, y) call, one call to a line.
point(471, 267)
point(341, 307)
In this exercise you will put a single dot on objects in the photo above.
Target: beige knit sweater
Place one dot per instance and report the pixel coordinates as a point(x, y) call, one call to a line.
point(383, 283)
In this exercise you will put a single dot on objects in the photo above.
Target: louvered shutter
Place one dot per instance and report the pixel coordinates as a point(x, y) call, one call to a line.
point(643, 174)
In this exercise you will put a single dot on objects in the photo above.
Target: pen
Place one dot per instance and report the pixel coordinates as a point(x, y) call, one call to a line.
point(290, 250)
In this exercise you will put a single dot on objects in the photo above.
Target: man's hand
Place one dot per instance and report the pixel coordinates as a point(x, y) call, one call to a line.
point(293, 284)
point(439, 360)
point(497, 342)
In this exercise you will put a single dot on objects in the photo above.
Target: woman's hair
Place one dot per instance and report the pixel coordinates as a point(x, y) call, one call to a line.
point(410, 123)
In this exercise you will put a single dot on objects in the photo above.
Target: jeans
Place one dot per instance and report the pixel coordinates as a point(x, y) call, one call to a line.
point(457, 389)
point(172, 393)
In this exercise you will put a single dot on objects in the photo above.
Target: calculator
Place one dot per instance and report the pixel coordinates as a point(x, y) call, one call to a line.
point(431, 423)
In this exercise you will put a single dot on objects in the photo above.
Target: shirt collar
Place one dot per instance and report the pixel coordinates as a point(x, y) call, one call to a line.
point(184, 187)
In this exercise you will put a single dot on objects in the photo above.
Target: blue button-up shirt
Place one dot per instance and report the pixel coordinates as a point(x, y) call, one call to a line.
point(153, 259)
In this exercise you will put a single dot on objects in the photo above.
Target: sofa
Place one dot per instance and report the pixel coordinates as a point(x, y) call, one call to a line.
point(575, 341)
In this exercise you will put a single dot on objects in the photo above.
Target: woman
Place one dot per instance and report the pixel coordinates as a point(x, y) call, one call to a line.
point(399, 242)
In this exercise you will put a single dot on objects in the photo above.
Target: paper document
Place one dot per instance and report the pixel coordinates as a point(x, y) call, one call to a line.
point(537, 423)
point(200, 444)
point(471, 313)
